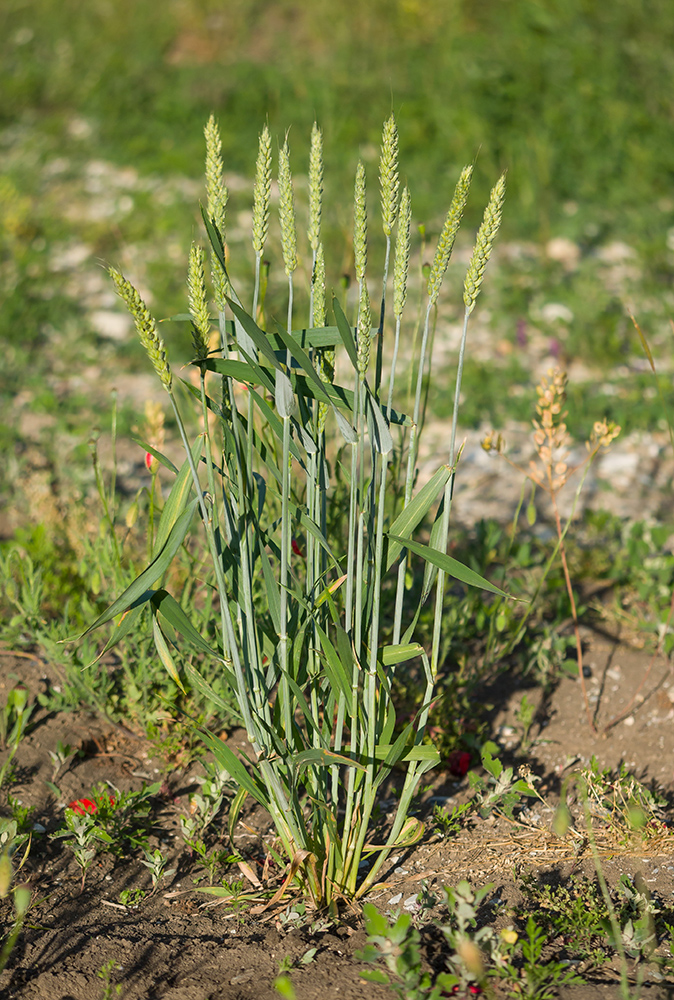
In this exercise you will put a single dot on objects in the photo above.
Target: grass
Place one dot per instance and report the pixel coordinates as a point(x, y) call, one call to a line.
point(304, 648)
point(574, 101)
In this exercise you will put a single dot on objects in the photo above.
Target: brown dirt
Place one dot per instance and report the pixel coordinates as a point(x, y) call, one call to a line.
point(176, 947)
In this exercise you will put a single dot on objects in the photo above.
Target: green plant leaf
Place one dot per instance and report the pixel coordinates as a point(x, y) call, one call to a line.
point(164, 653)
point(139, 589)
point(283, 395)
point(325, 758)
point(177, 499)
point(346, 333)
point(392, 655)
point(452, 567)
point(235, 811)
point(416, 510)
point(379, 429)
point(231, 763)
point(167, 606)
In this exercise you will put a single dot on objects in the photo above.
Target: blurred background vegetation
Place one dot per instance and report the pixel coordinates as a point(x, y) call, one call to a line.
point(575, 98)
point(101, 151)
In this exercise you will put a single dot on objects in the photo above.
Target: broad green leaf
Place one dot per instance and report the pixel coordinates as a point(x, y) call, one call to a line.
point(395, 752)
point(127, 622)
point(258, 336)
point(271, 586)
point(423, 752)
point(325, 758)
point(302, 358)
point(162, 459)
point(165, 654)
point(346, 333)
point(391, 655)
point(347, 431)
point(174, 614)
point(177, 499)
point(202, 685)
point(235, 811)
point(241, 371)
point(382, 435)
point(225, 756)
point(283, 395)
point(416, 510)
point(452, 567)
point(141, 585)
point(338, 673)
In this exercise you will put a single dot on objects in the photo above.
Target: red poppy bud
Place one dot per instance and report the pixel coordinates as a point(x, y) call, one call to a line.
point(458, 763)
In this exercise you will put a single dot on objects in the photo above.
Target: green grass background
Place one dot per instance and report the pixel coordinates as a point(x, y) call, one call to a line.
point(574, 98)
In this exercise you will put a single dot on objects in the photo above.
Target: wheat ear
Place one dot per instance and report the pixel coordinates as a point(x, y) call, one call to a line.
point(448, 234)
point(196, 295)
point(483, 244)
point(145, 325)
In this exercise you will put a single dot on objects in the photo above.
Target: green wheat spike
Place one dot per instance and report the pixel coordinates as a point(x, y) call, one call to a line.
point(402, 254)
point(287, 210)
point(196, 295)
point(483, 244)
point(448, 234)
point(262, 192)
point(217, 196)
point(145, 325)
point(360, 223)
point(315, 187)
point(364, 329)
point(388, 175)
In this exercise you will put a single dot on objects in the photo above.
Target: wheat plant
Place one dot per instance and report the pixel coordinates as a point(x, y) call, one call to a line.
point(303, 637)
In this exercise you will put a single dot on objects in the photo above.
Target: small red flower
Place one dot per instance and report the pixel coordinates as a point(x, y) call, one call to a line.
point(149, 459)
point(296, 549)
point(83, 806)
point(458, 763)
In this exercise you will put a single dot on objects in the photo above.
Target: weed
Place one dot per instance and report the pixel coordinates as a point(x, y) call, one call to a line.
point(500, 790)
point(534, 979)
point(524, 717)
point(156, 863)
point(448, 824)
point(551, 472)
point(14, 719)
point(397, 945)
point(110, 989)
point(576, 912)
point(10, 840)
point(623, 803)
point(117, 821)
point(132, 897)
